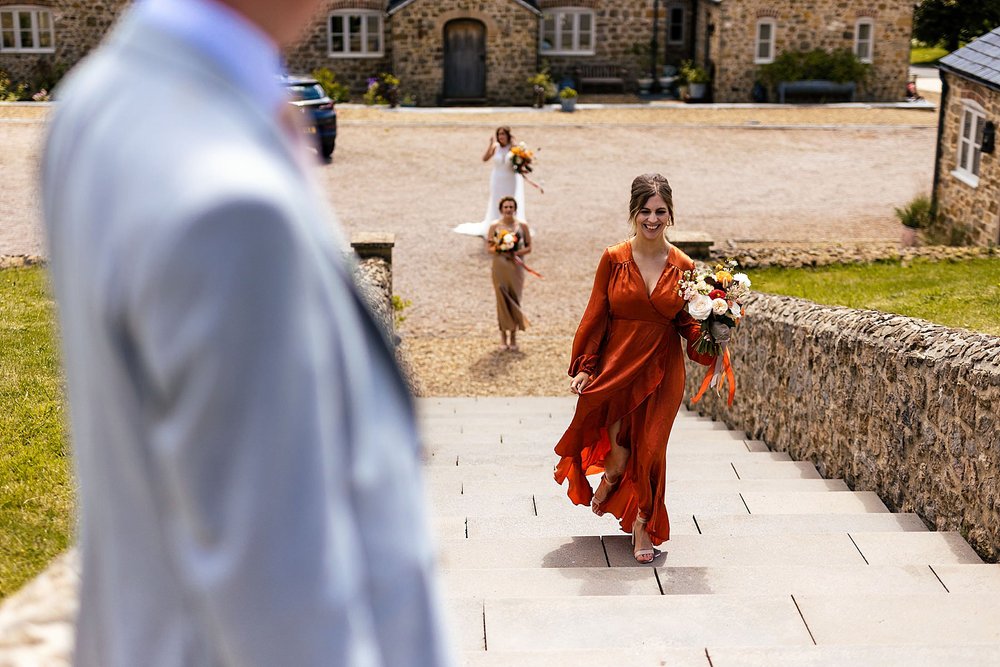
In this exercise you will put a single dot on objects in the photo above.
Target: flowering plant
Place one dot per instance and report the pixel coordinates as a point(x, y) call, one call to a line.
point(715, 298)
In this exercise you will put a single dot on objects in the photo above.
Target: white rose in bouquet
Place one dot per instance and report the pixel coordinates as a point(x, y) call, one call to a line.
point(741, 278)
point(719, 306)
point(700, 307)
point(735, 310)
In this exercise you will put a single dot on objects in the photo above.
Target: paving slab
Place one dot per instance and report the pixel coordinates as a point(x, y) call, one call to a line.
point(791, 524)
point(550, 582)
point(755, 469)
point(917, 548)
point(485, 553)
point(856, 656)
point(460, 443)
point(659, 657)
point(684, 504)
point(464, 617)
point(645, 622)
point(741, 551)
point(799, 579)
point(512, 505)
point(915, 620)
point(983, 578)
point(447, 486)
point(791, 502)
point(583, 524)
point(448, 527)
point(543, 458)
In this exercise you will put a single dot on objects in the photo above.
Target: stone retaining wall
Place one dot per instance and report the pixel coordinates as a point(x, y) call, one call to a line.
point(892, 404)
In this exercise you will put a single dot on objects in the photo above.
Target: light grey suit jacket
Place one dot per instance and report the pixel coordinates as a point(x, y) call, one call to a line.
point(247, 458)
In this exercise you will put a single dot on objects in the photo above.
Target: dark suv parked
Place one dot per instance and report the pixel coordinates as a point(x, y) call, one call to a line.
point(309, 96)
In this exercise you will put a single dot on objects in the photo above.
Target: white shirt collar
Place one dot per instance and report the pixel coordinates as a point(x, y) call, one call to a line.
point(225, 36)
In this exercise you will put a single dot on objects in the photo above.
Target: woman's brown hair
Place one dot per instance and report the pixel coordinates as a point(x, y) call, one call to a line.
point(506, 199)
point(504, 128)
point(644, 187)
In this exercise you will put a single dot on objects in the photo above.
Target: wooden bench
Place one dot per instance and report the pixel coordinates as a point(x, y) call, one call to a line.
point(599, 75)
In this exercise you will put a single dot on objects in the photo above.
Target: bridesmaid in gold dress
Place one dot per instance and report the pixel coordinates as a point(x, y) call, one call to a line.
point(508, 271)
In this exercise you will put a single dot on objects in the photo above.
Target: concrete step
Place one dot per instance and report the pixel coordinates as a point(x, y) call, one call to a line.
point(649, 622)
point(894, 548)
point(585, 523)
point(799, 580)
point(972, 578)
point(946, 655)
point(793, 502)
point(459, 444)
point(681, 550)
point(672, 656)
point(547, 458)
point(446, 487)
point(552, 582)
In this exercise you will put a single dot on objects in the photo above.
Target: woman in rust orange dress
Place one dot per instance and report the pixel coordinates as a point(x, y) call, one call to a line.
point(628, 370)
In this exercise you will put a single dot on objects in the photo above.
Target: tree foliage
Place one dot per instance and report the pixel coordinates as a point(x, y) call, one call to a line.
point(954, 22)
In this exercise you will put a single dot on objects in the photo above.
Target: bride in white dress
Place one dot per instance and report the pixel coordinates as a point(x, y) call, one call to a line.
point(504, 182)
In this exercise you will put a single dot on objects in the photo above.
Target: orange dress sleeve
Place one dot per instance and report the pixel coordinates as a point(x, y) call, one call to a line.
point(589, 339)
point(690, 329)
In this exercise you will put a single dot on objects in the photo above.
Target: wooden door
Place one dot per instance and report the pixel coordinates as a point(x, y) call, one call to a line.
point(464, 60)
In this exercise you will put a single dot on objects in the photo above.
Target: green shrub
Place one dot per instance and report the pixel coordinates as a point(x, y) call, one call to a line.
point(399, 304)
point(8, 91)
point(544, 80)
point(916, 214)
point(691, 73)
point(567, 93)
point(382, 89)
point(840, 66)
point(335, 90)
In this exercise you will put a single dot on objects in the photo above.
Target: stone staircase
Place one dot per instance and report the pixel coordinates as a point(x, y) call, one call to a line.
point(768, 564)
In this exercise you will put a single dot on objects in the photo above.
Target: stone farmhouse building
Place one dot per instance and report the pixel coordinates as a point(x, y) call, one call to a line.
point(482, 51)
point(966, 172)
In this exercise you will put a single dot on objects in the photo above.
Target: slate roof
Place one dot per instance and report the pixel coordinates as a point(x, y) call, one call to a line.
point(395, 4)
point(978, 60)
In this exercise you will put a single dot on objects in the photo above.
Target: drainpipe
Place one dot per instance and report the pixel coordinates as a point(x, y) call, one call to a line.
point(694, 28)
point(938, 151)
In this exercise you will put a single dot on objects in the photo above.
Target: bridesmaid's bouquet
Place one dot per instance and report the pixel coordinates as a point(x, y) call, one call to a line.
point(505, 241)
point(715, 298)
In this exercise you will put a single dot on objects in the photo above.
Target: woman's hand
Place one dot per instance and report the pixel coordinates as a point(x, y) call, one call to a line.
point(579, 382)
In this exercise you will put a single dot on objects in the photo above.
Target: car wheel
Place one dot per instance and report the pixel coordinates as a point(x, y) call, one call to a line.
point(327, 144)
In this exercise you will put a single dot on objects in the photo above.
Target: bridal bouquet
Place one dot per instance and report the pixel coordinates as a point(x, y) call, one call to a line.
point(521, 158)
point(715, 298)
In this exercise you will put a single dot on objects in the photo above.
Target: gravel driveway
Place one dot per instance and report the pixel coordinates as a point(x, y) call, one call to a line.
point(791, 175)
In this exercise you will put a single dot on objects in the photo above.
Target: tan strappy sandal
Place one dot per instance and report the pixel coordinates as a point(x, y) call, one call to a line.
point(644, 556)
point(608, 486)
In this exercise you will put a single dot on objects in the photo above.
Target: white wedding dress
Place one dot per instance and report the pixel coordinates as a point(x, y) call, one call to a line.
point(504, 182)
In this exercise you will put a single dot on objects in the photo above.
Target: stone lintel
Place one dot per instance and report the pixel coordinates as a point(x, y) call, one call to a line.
point(373, 244)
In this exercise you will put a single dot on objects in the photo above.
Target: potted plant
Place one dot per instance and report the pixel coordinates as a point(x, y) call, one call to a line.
point(542, 87)
point(567, 98)
point(915, 216)
point(696, 78)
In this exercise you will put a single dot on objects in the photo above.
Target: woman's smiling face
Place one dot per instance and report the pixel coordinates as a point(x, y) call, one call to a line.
point(653, 218)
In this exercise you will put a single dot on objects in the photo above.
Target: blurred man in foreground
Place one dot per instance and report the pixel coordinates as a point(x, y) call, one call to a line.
point(245, 447)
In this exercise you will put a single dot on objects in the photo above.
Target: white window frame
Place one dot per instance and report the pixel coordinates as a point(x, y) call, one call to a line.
point(347, 15)
point(575, 50)
point(670, 10)
point(757, 41)
point(871, 38)
point(964, 169)
point(36, 31)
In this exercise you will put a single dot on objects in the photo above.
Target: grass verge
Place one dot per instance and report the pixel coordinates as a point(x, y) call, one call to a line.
point(36, 492)
point(962, 294)
point(927, 55)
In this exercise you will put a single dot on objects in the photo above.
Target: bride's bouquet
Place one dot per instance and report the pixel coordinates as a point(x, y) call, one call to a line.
point(521, 158)
point(715, 298)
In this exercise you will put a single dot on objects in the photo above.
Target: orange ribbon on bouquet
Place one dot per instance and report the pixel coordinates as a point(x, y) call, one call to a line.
point(717, 376)
point(520, 262)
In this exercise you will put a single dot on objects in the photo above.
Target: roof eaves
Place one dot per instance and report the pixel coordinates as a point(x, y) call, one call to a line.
point(524, 3)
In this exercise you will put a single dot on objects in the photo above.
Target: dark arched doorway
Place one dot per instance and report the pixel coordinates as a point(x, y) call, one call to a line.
point(464, 61)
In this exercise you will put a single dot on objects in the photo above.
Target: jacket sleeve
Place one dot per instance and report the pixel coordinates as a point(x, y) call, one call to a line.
point(589, 340)
point(690, 330)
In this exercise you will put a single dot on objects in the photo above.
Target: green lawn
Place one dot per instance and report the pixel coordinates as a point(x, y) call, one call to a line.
point(956, 294)
point(926, 55)
point(36, 493)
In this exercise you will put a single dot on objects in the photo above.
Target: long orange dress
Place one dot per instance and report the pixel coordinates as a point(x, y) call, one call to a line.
point(628, 341)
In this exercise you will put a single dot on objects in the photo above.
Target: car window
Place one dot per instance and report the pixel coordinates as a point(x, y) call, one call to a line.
point(306, 92)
